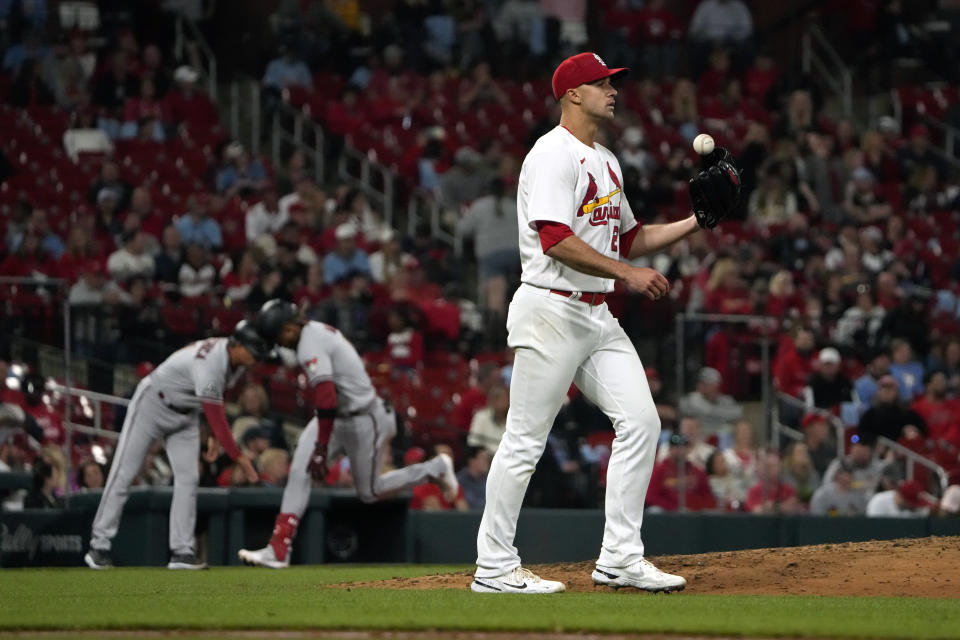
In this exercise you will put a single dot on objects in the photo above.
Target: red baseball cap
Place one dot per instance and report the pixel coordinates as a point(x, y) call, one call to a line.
point(811, 418)
point(911, 491)
point(581, 69)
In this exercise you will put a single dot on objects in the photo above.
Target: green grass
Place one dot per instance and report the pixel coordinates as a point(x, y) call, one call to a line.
point(238, 598)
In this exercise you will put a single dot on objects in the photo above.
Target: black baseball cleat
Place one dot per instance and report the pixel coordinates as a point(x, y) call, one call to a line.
point(98, 559)
point(187, 561)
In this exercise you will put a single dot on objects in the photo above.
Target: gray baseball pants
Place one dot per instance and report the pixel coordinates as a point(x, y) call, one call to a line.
point(147, 420)
point(365, 438)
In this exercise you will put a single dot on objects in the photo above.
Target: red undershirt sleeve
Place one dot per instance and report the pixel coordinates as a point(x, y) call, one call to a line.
point(217, 420)
point(626, 240)
point(325, 400)
point(552, 233)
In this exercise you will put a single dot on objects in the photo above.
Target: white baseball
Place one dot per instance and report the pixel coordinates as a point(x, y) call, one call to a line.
point(703, 143)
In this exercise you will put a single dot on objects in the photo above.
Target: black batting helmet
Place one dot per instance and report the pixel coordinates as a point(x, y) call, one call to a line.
point(272, 317)
point(245, 334)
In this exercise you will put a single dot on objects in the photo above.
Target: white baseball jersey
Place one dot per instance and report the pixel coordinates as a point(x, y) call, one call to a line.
point(326, 355)
point(564, 180)
point(197, 373)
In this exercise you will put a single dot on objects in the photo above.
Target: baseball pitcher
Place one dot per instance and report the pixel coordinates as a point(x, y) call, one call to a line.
point(167, 405)
point(350, 417)
point(575, 226)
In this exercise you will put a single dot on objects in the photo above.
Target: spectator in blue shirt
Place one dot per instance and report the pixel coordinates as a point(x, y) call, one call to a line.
point(866, 385)
point(40, 226)
point(286, 71)
point(196, 227)
point(346, 259)
point(240, 174)
point(30, 49)
point(907, 371)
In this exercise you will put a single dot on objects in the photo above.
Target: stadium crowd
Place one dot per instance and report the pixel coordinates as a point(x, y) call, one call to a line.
point(118, 178)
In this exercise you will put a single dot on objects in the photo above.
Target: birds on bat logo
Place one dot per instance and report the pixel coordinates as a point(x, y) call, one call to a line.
point(599, 208)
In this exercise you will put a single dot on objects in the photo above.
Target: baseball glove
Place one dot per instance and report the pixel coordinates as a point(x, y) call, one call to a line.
point(715, 190)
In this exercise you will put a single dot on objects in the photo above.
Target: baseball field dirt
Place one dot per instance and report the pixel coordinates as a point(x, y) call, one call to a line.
point(926, 567)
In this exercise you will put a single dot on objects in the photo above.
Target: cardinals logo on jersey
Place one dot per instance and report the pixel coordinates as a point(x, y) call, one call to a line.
point(599, 208)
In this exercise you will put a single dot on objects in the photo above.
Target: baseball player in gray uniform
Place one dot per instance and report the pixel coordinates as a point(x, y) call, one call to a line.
point(350, 417)
point(167, 405)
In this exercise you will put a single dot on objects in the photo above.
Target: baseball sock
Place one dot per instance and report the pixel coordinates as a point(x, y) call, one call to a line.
point(284, 530)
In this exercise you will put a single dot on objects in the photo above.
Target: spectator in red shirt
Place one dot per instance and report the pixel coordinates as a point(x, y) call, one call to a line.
point(404, 343)
point(726, 292)
point(238, 283)
point(79, 251)
point(187, 104)
point(346, 116)
point(760, 78)
point(674, 474)
point(794, 362)
point(942, 414)
point(717, 75)
point(315, 290)
point(29, 260)
point(783, 300)
point(474, 398)
point(146, 106)
point(658, 31)
point(771, 495)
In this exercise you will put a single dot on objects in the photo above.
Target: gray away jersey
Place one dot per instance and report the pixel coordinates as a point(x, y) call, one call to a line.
point(196, 373)
point(326, 355)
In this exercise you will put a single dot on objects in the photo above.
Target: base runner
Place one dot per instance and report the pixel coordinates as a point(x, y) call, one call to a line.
point(350, 417)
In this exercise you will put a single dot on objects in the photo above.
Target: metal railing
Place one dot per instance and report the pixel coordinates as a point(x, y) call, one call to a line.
point(360, 171)
point(911, 458)
point(293, 128)
point(190, 45)
point(770, 323)
point(245, 119)
point(950, 137)
point(61, 285)
point(423, 205)
point(818, 56)
point(93, 403)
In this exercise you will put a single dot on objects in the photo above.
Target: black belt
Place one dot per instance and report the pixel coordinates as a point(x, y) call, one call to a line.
point(184, 412)
point(359, 412)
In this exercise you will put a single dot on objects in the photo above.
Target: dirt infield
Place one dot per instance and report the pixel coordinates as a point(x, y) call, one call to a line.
point(926, 567)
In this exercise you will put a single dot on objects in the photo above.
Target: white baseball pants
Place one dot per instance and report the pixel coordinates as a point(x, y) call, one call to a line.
point(148, 419)
point(558, 340)
point(366, 440)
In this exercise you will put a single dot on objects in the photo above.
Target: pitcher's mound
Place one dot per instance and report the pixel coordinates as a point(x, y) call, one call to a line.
point(924, 567)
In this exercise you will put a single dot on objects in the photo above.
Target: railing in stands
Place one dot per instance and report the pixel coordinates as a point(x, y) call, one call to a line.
point(911, 458)
point(424, 206)
point(950, 137)
point(244, 115)
point(818, 56)
point(292, 128)
point(62, 285)
point(190, 45)
point(770, 323)
point(96, 400)
point(358, 170)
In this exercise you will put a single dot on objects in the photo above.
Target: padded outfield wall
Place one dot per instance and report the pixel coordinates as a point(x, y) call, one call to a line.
point(339, 528)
